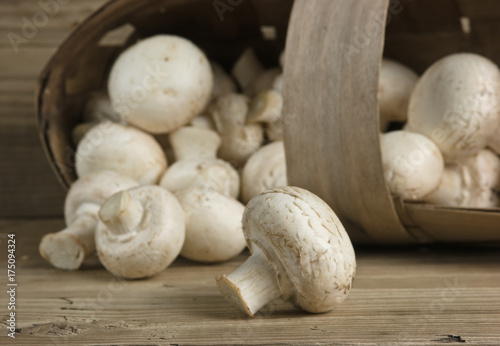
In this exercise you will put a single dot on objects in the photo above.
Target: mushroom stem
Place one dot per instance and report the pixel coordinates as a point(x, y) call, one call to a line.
point(68, 248)
point(121, 213)
point(252, 285)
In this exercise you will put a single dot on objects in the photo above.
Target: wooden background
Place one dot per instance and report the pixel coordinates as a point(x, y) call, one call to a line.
point(28, 187)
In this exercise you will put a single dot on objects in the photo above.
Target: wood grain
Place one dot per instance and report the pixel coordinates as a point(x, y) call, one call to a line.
point(28, 186)
point(404, 296)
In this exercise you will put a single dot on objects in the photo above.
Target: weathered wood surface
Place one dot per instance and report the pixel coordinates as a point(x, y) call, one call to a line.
point(406, 296)
point(28, 186)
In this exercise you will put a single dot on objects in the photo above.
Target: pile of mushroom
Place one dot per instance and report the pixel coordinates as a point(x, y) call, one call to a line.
point(166, 99)
point(447, 153)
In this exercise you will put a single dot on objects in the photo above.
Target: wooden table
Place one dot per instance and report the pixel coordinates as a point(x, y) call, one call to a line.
point(409, 296)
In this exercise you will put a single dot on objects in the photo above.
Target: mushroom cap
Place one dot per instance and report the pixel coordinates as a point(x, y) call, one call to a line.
point(213, 225)
point(123, 149)
point(151, 245)
point(481, 178)
point(266, 168)
point(99, 108)
point(494, 143)
point(160, 83)
point(230, 112)
point(208, 173)
point(223, 82)
point(470, 183)
point(94, 188)
point(262, 82)
point(306, 244)
point(395, 85)
point(413, 164)
point(455, 103)
point(239, 144)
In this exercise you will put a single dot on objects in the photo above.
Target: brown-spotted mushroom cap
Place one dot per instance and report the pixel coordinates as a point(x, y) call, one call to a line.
point(68, 248)
point(300, 251)
point(141, 233)
point(160, 83)
point(123, 149)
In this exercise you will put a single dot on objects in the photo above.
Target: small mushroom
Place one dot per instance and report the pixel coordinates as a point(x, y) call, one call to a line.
point(470, 183)
point(223, 82)
point(265, 169)
point(198, 165)
point(141, 233)
point(68, 248)
point(262, 82)
point(239, 140)
point(99, 108)
point(213, 225)
point(395, 86)
point(123, 149)
point(267, 108)
point(494, 143)
point(413, 164)
point(300, 251)
point(204, 121)
point(247, 68)
point(455, 103)
point(160, 83)
point(278, 84)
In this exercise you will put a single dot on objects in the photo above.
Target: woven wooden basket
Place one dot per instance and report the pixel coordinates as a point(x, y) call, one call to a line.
point(334, 48)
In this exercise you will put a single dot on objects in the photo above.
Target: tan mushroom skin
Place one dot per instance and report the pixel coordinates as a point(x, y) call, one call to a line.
point(300, 251)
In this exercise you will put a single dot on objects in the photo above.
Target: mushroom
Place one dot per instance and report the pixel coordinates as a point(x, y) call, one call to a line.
point(267, 108)
point(239, 140)
point(141, 233)
point(123, 149)
point(494, 143)
point(278, 84)
point(99, 108)
point(80, 130)
point(213, 225)
point(263, 81)
point(300, 251)
point(160, 83)
point(455, 103)
point(223, 82)
point(247, 68)
point(395, 85)
point(197, 163)
point(472, 183)
point(265, 169)
point(413, 165)
point(68, 248)
point(204, 121)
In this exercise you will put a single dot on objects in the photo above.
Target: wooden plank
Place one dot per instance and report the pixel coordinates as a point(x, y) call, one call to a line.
point(403, 296)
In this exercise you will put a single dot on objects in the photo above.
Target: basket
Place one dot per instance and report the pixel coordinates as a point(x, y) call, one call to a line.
point(333, 55)
point(334, 48)
point(223, 29)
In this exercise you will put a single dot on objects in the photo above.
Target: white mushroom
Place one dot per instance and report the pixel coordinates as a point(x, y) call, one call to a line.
point(262, 82)
point(213, 225)
point(413, 165)
point(80, 130)
point(239, 140)
point(300, 251)
point(247, 68)
point(99, 108)
point(160, 83)
point(141, 233)
point(68, 248)
point(123, 149)
point(494, 142)
point(395, 86)
point(198, 165)
point(267, 108)
point(472, 183)
point(455, 103)
point(265, 169)
point(223, 82)
point(278, 84)
point(204, 121)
